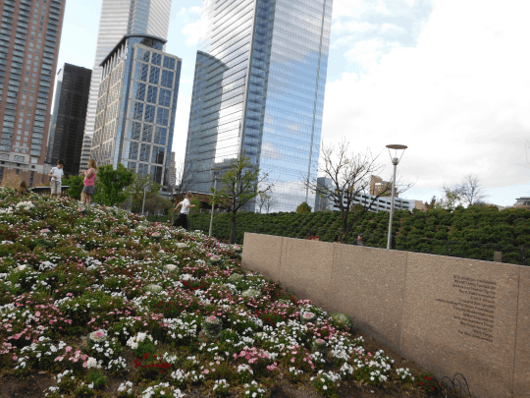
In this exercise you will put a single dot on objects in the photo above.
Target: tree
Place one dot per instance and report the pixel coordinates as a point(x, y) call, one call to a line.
point(111, 184)
point(471, 191)
point(240, 182)
point(303, 208)
point(136, 191)
point(76, 185)
point(350, 175)
point(265, 201)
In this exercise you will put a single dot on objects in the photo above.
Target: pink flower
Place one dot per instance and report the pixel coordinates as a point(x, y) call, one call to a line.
point(15, 357)
point(206, 371)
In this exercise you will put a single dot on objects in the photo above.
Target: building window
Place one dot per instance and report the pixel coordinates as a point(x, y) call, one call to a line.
point(154, 75)
point(165, 97)
point(152, 92)
point(169, 63)
point(147, 133)
point(162, 117)
point(149, 115)
point(167, 78)
point(160, 135)
point(145, 151)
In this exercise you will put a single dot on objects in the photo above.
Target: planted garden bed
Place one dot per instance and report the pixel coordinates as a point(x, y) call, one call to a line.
point(99, 302)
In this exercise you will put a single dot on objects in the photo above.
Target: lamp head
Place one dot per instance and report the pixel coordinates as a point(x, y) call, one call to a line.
point(396, 148)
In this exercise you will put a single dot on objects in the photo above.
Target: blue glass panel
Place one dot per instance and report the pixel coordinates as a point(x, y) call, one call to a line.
point(167, 78)
point(154, 75)
point(151, 94)
point(169, 63)
point(165, 97)
point(160, 135)
point(149, 115)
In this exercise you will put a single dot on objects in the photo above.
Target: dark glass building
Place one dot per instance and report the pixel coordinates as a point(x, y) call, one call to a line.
point(258, 90)
point(68, 122)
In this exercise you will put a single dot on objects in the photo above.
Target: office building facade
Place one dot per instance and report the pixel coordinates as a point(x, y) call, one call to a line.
point(85, 151)
point(259, 90)
point(30, 32)
point(136, 108)
point(120, 18)
point(68, 122)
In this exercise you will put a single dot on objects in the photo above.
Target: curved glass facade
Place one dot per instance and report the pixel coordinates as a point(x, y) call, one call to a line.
point(259, 89)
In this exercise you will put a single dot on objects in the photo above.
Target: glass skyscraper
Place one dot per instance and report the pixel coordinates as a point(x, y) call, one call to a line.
point(258, 90)
point(136, 107)
point(119, 18)
point(30, 32)
point(68, 123)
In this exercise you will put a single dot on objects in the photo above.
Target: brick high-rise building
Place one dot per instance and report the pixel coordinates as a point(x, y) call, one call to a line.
point(30, 32)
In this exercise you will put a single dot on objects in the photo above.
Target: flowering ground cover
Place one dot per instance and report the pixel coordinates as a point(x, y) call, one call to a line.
point(99, 302)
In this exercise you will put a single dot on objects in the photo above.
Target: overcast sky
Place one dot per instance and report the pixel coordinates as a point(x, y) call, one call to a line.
point(448, 78)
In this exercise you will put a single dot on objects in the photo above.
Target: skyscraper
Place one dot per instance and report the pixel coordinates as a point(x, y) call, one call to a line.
point(136, 107)
point(258, 90)
point(120, 18)
point(68, 123)
point(30, 32)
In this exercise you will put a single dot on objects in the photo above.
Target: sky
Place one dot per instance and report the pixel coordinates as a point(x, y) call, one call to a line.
point(448, 78)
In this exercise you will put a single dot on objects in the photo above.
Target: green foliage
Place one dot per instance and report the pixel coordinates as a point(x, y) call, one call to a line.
point(239, 183)
point(473, 232)
point(303, 208)
point(76, 186)
point(111, 184)
point(136, 190)
point(97, 378)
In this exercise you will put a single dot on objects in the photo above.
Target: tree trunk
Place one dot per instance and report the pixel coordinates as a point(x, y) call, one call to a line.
point(233, 230)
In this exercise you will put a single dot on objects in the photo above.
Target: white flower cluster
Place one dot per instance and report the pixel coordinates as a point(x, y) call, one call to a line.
point(162, 389)
point(221, 385)
point(46, 265)
point(179, 329)
point(92, 362)
point(117, 364)
point(126, 387)
point(254, 390)
point(27, 205)
point(180, 377)
point(404, 374)
point(139, 338)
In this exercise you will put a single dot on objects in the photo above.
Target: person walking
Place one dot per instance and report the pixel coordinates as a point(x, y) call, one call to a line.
point(56, 174)
point(182, 219)
point(359, 241)
point(89, 182)
point(23, 189)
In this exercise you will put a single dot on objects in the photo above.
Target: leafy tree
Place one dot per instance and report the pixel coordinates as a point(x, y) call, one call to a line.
point(76, 186)
point(158, 204)
point(303, 208)
point(240, 183)
point(136, 190)
point(350, 175)
point(111, 184)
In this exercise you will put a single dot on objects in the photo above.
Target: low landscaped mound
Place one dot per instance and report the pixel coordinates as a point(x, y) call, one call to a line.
point(109, 304)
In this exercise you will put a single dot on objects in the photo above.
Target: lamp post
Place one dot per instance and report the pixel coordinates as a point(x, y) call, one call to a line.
point(395, 161)
point(213, 200)
point(143, 202)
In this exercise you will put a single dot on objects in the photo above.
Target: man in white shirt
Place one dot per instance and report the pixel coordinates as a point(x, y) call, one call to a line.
point(182, 219)
point(56, 174)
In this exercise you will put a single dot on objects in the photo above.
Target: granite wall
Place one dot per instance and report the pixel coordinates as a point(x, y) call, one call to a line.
point(450, 315)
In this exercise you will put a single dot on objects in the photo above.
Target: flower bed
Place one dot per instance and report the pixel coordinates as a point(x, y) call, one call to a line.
point(89, 294)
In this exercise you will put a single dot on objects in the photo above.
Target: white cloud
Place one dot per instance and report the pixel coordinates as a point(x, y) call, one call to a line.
point(181, 126)
point(459, 100)
point(195, 9)
point(193, 32)
point(392, 29)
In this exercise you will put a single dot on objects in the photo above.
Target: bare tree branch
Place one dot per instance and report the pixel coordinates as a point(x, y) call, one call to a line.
point(350, 175)
point(471, 191)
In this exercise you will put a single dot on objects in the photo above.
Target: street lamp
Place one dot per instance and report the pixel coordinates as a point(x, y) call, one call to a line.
point(215, 174)
point(395, 160)
point(143, 202)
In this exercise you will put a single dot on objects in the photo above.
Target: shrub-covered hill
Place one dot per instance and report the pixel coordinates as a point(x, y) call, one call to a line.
point(98, 301)
point(507, 230)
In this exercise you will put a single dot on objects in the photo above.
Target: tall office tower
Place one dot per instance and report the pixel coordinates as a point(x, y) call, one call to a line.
point(85, 151)
point(119, 18)
point(259, 90)
point(172, 171)
point(136, 107)
point(68, 123)
point(30, 32)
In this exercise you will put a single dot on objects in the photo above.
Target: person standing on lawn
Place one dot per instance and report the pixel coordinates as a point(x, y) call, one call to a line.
point(182, 219)
point(89, 182)
point(56, 174)
point(359, 241)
